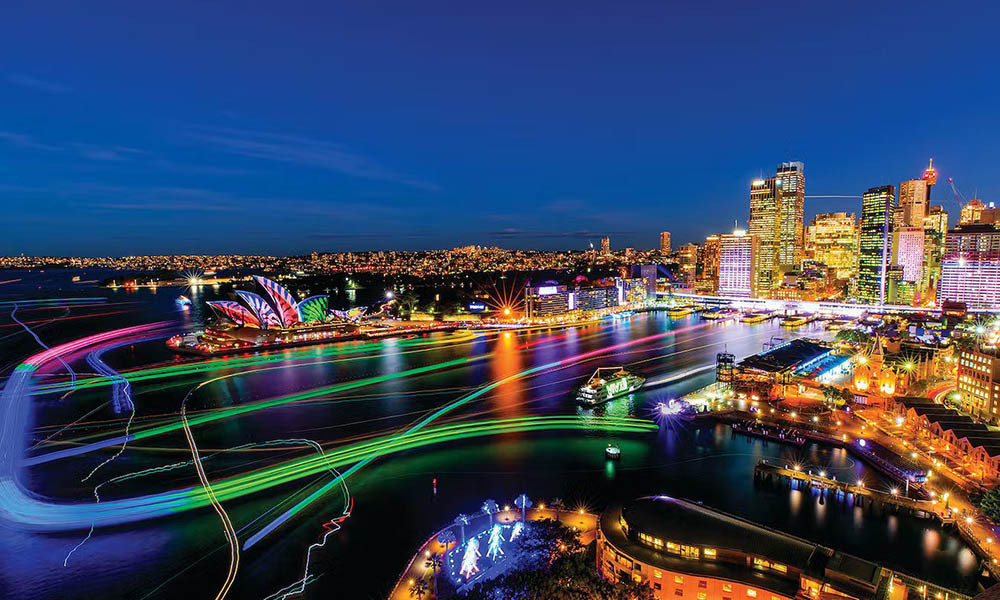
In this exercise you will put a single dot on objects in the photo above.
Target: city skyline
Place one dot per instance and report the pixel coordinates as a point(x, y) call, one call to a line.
point(524, 139)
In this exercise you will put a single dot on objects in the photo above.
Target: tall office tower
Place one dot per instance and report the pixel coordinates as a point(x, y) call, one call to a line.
point(908, 252)
point(665, 242)
point(971, 212)
point(970, 268)
point(832, 239)
point(738, 271)
point(777, 206)
point(912, 206)
point(930, 176)
point(687, 258)
point(935, 229)
point(873, 243)
point(605, 246)
point(708, 274)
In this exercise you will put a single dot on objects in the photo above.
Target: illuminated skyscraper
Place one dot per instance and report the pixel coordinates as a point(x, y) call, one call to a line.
point(908, 252)
point(665, 242)
point(935, 229)
point(970, 268)
point(738, 253)
point(605, 246)
point(687, 259)
point(708, 274)
point(832, 239)
point(913, 195)
point(777, 205)
point(873, 243)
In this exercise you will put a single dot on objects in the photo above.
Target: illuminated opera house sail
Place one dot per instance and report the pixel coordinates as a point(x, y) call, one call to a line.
point(273, 307)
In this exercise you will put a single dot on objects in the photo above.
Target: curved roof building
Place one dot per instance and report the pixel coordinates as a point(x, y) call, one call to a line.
point(273, 308)
point(686, 551)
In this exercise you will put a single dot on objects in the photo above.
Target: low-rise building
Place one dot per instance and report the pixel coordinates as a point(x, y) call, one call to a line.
point(979, 383)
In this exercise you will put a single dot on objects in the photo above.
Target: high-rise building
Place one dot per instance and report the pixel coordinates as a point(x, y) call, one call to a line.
point(971, 212)
point(873, 243)
point(832, 239)
point(908, 252)
point(935, 229)
point(708, 274)
point(605, 246)
point(912, 208)
point(687, 259)
point(970, 267)
point(665, 242)
point(738, 271)
point(777, 206)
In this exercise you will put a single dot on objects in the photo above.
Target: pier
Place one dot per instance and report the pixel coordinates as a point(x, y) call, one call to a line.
point(767, 471)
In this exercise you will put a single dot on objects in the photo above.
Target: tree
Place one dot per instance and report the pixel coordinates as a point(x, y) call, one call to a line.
point(558, 505)
point(524, 503)
point(490, 508)
point(446, 538)
point(408, 302)
point(989, 503)
point(462, 520)
point(434, 562)
point(418, 589)
point(832, 395)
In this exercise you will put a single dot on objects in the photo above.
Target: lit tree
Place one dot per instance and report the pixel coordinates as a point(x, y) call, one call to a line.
point(446, 538)
point(418, 589)
point(524, 503)
point(462, 520)
point(490, 508)
point(435, 562)
point(558, 505)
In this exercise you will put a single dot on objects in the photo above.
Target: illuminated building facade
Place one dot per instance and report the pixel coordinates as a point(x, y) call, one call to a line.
point(738, 270)
point(687, 259)
point(979, 384)
point(605, 246)
point(912, 208)
point(873, 244)
point(665, 242)
point(595, 298)
point(648, 274)
point(687, 551)
point(777, 206)
point(972, 212)
point(935, 230)
point(708, 273)
point(970, 267)
point(832, 239)
point(274, 308)
point(547, 300)
point(908, 252)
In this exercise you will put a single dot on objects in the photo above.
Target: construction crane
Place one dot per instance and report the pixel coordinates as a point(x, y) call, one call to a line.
point(958, 195)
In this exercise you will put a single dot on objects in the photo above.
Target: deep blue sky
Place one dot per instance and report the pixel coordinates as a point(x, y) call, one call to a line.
point(141, 127)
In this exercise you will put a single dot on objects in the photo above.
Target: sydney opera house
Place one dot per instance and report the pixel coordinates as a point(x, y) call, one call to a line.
point(270, 316)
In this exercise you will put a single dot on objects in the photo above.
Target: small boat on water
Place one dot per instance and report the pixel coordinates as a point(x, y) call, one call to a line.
point(720, 314)
point(608, 383)
point(794, 321)
point(756, 317)
point(679, 311)
point(612, 452)
point(183, 301)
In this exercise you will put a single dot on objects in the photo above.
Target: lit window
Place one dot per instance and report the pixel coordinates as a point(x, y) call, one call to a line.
point(727, 587)
point(657, 573)
point(702, 596)
point(709, 552)
point(678, 579)
point(751, 593)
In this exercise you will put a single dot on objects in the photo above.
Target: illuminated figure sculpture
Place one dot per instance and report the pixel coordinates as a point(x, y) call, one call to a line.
point(495, 538)
point(470, 559)
point(518, 528)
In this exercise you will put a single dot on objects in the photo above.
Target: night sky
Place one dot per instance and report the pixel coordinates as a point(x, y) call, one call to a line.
point(287, 127)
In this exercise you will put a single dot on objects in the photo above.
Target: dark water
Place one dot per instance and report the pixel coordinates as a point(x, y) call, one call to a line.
point(395, 509)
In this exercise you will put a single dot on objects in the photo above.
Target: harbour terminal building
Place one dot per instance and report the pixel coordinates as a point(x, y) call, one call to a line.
point(550, 299)
point(686, 551)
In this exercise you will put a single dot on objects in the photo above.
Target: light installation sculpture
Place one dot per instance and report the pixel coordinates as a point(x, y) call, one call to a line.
point(313, 308)
point(496, 537)
point(470, 559)
point(518, 528)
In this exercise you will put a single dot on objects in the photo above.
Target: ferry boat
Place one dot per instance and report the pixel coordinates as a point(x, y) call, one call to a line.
point(608, 383)
point(755, 317)
point(718, 315)
point(794, 321)
point(183, 301)
point(679, 311)
point(612, 452)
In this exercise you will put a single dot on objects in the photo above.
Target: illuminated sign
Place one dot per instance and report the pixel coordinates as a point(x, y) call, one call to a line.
point(476, 307)
point(548, 290)
point(618, 386)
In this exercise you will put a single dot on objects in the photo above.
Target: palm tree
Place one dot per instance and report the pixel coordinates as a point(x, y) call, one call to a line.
point(462, 520)
point(557, 504)
point(490, 508)
point(447, 537)
point(435, 562)
point(524, 503)
point(418, 589)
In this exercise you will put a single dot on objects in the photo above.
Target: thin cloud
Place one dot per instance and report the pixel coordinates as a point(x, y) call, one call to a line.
point(34, 83)
point(512, 233)
point(302, 151)
point(22, 140)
